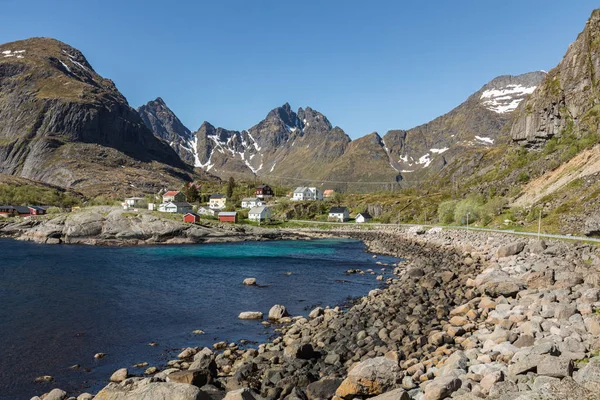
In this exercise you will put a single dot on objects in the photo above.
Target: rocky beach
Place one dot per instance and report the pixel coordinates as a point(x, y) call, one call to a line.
point(113, 226)
point(468, 315)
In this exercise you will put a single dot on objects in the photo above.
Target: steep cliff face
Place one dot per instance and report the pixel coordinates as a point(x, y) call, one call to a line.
point(59, 119)
point(478, 123)
point(166, 126)
point(567, 100)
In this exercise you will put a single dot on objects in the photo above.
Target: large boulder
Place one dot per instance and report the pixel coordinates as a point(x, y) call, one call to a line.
point(240, 394)
point(369, 378)
point(498, 283)
point(56, 394)
point(196, 377)
point(250, 315)
point(119, 375)
point(442, 387)
point(510, 249)
point(277, 312)
point(589, 376)
point(397, 394)
point(135, 389)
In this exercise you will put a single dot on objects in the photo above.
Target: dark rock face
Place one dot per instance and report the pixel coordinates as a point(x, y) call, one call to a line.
point(52, 100)
point(566, 101)
point(166, 126)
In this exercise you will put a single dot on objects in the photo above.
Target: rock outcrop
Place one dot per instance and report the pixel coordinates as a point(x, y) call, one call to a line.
point(566, 102)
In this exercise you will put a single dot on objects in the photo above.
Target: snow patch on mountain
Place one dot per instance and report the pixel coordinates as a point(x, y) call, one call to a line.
point(506, 99)
point(485, 139)
point(439, 151)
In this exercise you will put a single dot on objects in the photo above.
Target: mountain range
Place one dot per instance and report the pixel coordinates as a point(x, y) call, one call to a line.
point(303, 146)
point(62, 123)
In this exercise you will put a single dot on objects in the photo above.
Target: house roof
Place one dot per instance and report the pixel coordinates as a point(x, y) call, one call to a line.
point(180, 203)
point(329, 191)
point(134, 198)
point(171, 193)
point(364, 214)
point(19, 209)
point(263, 186)
point(37, 208)
point(251, 199)
point(337, 210)
point(301, 189)
point(218, 196)
point(227, 214)
point(257, 210)
point(194, 214)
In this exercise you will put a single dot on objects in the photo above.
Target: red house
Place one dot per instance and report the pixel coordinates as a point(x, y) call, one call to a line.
point(191, 218)
point(264, 191)
point(14, 211)
point(228, 216)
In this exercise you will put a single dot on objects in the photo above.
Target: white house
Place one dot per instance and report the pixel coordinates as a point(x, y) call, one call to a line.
point(339, 214)
point(217, 201)
point(307, 193)
point(207, 211)
point(180, 207)
point(132, 202)
point(251, 202)
point(362, 217)
point(261, 213)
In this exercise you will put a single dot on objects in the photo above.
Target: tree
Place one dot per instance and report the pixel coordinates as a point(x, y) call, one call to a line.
point(192, 193)
point(230, 186)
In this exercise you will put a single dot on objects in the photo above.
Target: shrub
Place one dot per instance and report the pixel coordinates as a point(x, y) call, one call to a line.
point(53, 210)
point(467, 209)
point(446, 211)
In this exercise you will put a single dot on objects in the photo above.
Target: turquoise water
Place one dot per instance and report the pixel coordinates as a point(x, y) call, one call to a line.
point(62, 304)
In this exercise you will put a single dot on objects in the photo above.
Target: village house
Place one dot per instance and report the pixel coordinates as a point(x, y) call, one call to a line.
point(261, 213)
point(328, 194)
point(191, 218)
point(363, 217)
point(132, 202)
point(38, 210)
point(251, 202)
point(173, 195)
point(217, 201)
point(307, 193)
point(179, 207)
point(339, 214)
point(207, 211)
point(264, 191)
point(228, 216)
point(14, 211)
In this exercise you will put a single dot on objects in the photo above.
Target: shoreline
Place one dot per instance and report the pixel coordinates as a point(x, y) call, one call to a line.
point(477, 316)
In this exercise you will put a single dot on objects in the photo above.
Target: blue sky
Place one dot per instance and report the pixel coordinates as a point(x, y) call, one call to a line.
point(368, 66)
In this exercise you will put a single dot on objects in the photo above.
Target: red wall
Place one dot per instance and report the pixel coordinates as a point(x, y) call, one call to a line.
point(224, 218)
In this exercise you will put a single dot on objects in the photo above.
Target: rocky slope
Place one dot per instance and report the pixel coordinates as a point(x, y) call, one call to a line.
point(62, 123)
point(474, 126)
point(166, 126)
point(567, 100)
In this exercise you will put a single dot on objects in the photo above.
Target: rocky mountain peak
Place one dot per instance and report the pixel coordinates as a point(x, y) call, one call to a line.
point(504, 93)
point(314, 120)
point(285, 114)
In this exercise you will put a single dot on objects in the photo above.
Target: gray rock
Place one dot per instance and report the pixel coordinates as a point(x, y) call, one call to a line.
point(277, 312)
point(589, 376)
point(143, 389)
point(323, 389)
point(191, 377)
point(56, 394)
point(249, 281)
point(442, 387)
point(240, 394)
point(119, 375)
point(510, 249)
point(250, 315)
point(371, 377)
point(557, 367)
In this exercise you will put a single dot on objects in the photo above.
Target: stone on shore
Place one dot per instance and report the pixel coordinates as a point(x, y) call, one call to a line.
point(85, 396)
point(323, 389)
point(194, 377)
point(119, 375)
point(277, 312)
point(250, 281)
point(371, 377)
point(135, 389)
point(56, 394)
point(249, 315)
point(442, 387)
point(240, 394)
point(510, 249)
point(396, 394)
point(317, 312)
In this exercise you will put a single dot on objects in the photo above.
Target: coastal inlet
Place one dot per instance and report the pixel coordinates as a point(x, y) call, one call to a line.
point(64, 304)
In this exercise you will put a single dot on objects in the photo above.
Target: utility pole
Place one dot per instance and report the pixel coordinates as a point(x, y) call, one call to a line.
point(540, 224)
